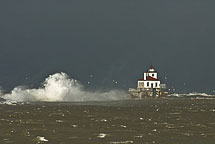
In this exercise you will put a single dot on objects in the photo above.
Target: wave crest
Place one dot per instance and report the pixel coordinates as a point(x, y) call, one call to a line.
point(192, 95)
point(59, 87)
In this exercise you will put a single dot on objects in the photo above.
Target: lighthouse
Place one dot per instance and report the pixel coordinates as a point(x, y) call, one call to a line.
point(149, 80)
point(149, 85)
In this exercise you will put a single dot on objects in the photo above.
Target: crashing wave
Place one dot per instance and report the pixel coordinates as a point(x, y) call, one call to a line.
point(59, 87)
point(8, 102)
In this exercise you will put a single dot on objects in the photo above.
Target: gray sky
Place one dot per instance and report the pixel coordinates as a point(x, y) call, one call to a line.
point(112, 39)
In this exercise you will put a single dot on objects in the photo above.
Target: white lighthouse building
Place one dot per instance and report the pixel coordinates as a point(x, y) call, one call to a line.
point(149, 80)
point(149, 85)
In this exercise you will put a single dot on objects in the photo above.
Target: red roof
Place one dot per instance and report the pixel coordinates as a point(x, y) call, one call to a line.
point(149, 78)
point(151, 67)
point(142, 79)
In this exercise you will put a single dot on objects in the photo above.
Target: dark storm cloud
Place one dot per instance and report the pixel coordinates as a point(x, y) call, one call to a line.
point(112, 40)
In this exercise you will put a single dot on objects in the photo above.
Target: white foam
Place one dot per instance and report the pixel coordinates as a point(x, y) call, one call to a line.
point(59, 87)
point(122, 142)
point(42, 139)
point(123, 126)
point(191, 94)
point(9, 102)
point(102, 135)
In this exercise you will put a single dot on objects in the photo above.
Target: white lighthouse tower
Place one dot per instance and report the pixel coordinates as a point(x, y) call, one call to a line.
point(149, 80)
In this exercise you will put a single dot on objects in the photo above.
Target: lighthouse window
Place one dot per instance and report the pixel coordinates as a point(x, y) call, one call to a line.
point(156, 84)
point(152, 74)
point(141, 84)
point(152, 86)
point(147, 83)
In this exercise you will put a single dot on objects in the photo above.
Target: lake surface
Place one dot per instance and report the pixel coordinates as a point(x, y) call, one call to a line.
point(147, 121)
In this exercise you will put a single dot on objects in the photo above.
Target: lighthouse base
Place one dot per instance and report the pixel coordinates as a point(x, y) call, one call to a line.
point(146, 93)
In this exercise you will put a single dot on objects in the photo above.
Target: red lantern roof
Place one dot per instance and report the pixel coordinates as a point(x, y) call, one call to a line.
point(151, 67)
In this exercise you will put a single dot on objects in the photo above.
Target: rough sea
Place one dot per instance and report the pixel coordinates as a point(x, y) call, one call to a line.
point(61, 111)
point(147, 121)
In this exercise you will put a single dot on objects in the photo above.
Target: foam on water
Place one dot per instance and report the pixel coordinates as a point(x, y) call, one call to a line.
point(59, 87)
point(102, 135)
point(8, 102)
point(40, 139)
point(192, 95)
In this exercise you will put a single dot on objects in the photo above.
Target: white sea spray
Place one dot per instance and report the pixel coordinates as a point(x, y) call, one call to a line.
point(59, 87)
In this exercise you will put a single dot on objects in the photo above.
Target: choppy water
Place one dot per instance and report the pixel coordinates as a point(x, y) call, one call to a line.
point(148, 121)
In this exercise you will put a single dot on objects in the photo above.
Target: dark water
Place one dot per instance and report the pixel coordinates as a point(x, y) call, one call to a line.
point(148, 121)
